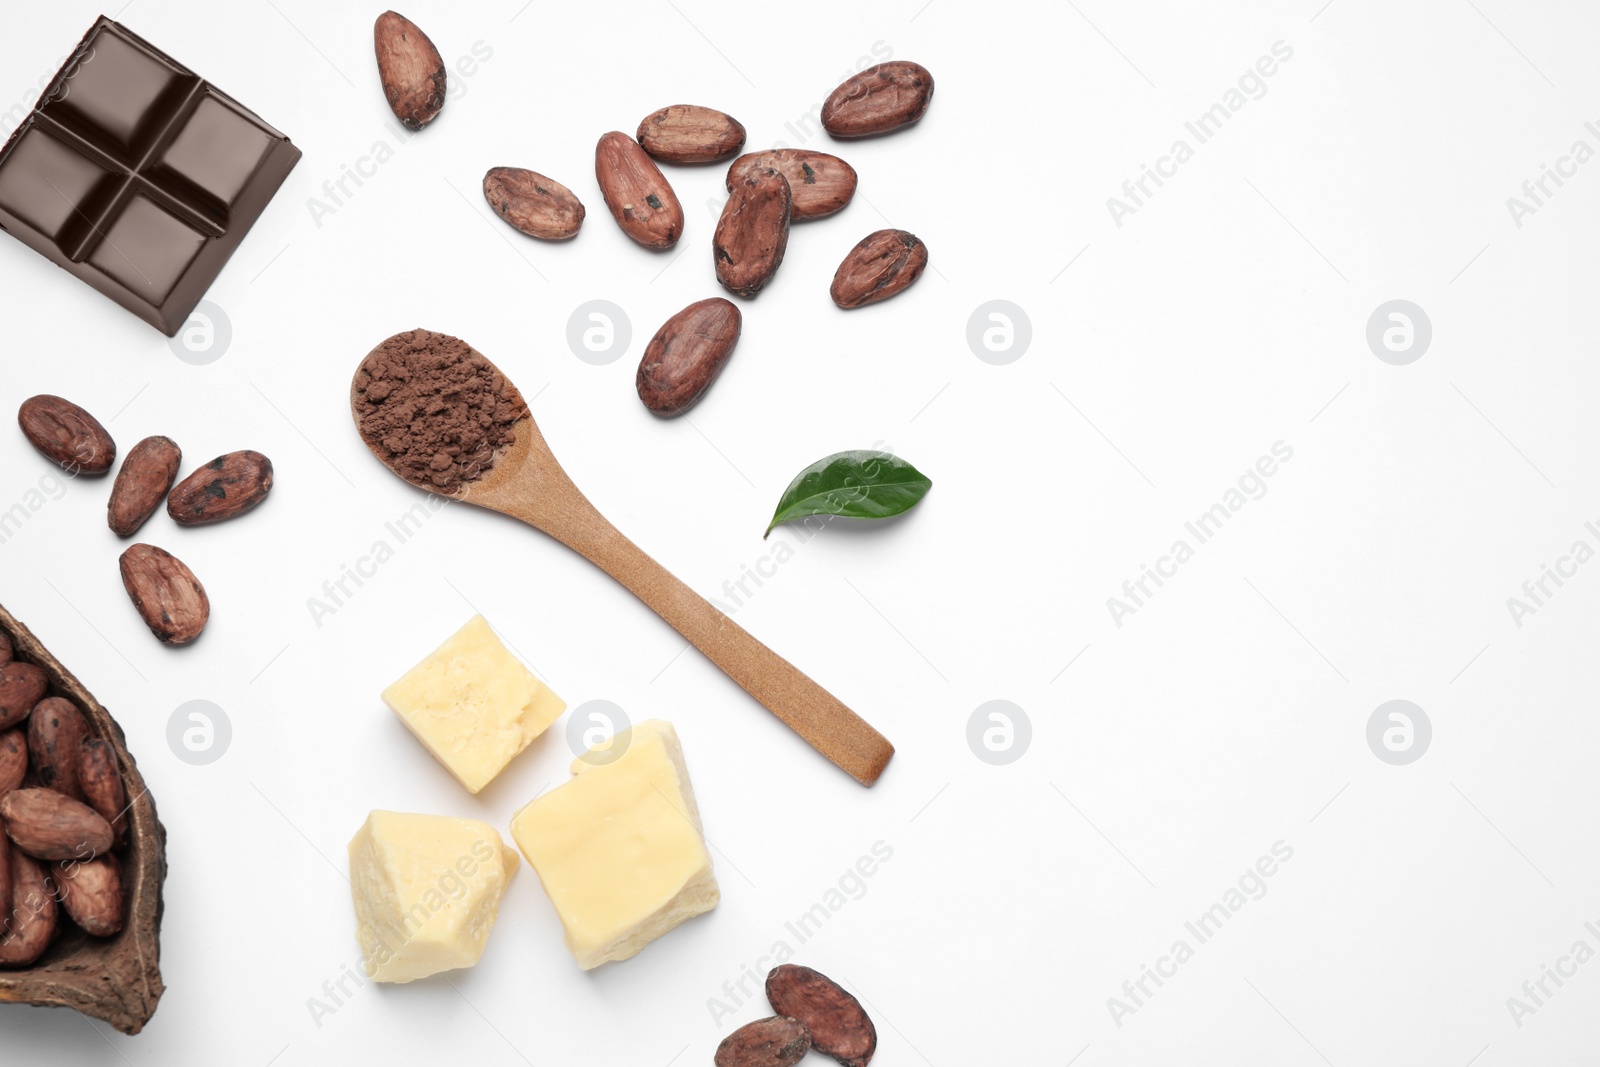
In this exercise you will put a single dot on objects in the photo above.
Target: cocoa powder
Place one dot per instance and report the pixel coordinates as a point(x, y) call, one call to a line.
point(436, 408)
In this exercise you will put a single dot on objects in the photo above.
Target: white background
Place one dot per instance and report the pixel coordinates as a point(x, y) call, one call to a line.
point(1168, 354)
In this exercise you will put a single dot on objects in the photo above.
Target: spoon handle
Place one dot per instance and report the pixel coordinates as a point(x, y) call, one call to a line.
point(810, 710)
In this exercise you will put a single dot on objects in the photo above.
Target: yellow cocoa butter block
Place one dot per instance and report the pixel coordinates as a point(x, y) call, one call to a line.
point(427, 891)
point(473, 704)
point(619, 849)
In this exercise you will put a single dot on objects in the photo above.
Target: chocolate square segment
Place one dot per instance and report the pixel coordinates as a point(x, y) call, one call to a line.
point(138, 176)
point(118, 94)
point(216, 152)
point(55, 188)
point(146, 250)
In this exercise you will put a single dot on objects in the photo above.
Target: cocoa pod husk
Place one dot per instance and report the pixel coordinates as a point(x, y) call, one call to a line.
point(533, 204)
point(688, 133)
point(410, 69)
point(101, 781)
point(22, 685)
point(223, 489)
point(66, 435)
point(839, 1025)
point(34, 916)
point(636, 192)
point(774, 1042)
point(685, 356)
point(753, 232)
point(147, 474)
point(883, 264)
point(56, 733)
point(819, 184)
point(165, 592)
point(48, 825)
point(92, 894)
point(880, 99)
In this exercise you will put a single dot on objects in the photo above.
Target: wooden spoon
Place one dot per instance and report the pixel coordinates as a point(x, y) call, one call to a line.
point(526, 482)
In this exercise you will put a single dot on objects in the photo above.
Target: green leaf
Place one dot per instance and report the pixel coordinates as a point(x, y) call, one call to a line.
point(860, 485)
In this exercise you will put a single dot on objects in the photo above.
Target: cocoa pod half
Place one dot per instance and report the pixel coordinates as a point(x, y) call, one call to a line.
point(889, 96)
point(148, 471)
point(753, 232)
point(883, 264)
point(410, 68)
point(101, 781)
point(639, 197)
point(56, 733)
point(839, 1025)
point(22, 685)
point(92, 894)
point(225, 488)
point(533, 204)
point(165, 592)
point(31, 923)
point(686, 355)
point(819, 184)
point(66, 435)
point(49, 826)
point(774, 1042)
point(688, 133)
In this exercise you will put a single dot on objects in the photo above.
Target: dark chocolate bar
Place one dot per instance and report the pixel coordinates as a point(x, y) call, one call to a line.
point(138, 176)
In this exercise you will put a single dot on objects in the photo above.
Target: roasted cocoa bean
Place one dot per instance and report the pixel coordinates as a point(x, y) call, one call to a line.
point(66, 435)
point(839, 1025)
point(883, 264)
point(165, 592)
point(147, 473)
point(753, 232)
point(686, 355)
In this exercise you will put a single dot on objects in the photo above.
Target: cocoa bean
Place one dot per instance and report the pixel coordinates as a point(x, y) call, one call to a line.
point(775, 1042)
point(889, 96)
point(22, 685)
point(640, 199)
point(882, 265)
point(56, 733)
point(225, 488)
point(166, 594)
point(686, 355)
point(838, 1024)
point(92, 894)
point(13, 764)
point(533, 204)
point(31, 923)
point(148, 471)
point(819, 184)
point(687, 133)
point(66, 435)
point(51, 826)
point(410, 68)
point(101, 781)
point(753, 232)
